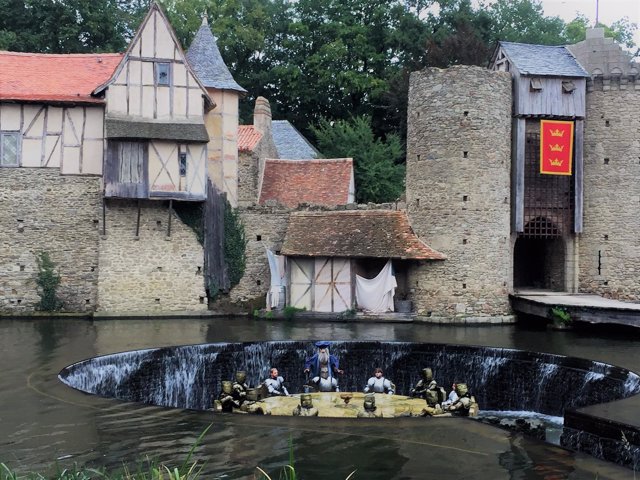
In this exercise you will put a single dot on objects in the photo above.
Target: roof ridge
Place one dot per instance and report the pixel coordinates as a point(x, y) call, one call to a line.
point(49, 55)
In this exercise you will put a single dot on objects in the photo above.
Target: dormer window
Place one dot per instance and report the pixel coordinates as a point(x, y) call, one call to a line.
point(163, 73)
point(535, 85)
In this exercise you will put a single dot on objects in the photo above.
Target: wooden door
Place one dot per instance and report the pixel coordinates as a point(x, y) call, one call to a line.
point(332, 285)
point(301, 280)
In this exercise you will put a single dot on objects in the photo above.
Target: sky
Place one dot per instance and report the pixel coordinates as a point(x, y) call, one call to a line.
point(608, 10)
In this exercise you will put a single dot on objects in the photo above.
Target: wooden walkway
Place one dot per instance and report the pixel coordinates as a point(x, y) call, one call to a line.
point(581, 307)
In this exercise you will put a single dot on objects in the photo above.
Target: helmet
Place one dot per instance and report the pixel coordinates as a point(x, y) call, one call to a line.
point(226, 386)
point(461, 389)
point(305, 400)
point(370, 402)
point(427, 374)
point(241, 376)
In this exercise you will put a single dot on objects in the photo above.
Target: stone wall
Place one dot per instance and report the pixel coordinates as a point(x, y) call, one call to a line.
point(44, 211)
point(458, 190)
point(153, 271)
point(265, 227)
point(610, 243)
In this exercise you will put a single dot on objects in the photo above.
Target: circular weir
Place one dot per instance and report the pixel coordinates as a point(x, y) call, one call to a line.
point(500, 379)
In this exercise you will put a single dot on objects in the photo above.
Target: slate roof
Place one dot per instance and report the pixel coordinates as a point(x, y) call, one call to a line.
point(41, 77)
point(556, 61)
point(206, 61)
point(290, 143)
point(248, 138)
point(318, 182)
point(355, 233)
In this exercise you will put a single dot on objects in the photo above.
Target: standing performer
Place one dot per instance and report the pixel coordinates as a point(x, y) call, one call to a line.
point(275, 384)
point(379, 384)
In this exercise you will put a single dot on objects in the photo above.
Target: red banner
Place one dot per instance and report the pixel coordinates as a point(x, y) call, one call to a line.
point(556, 147)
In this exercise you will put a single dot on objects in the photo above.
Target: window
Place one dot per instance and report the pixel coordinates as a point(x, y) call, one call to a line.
point(183, 164)
point(163, 73)
point(9, 149)
point(568, 86)
point(535, 85)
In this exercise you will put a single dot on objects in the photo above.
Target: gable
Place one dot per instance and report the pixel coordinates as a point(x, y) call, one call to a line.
point(154, 80)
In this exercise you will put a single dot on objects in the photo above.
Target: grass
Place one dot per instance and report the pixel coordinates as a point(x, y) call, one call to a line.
point(149, 470)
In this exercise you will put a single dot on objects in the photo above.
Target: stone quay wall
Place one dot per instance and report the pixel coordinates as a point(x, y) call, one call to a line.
point(458, 186)
point(610, 243)
point(153, 271)
point(43, 211)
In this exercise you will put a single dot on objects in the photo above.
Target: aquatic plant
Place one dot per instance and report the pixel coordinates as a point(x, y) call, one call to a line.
point(560, 316)
point(290, 311)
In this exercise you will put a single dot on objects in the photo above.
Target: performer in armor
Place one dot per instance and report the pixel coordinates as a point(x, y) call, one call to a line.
point(465, 401)
point(306, 408)
point(429, 389)
point(369, 407)
point(225, 401)
point(325, 382)
point(240, 387)
point(379, 384)
point(321, 359)
point(275, 384)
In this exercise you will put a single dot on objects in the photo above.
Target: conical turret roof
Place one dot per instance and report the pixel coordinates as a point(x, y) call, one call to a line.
point(205, 59)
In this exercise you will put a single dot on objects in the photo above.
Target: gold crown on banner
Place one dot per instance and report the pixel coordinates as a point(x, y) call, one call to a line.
point(557, 133)
point(556, 163)
point(556, 148)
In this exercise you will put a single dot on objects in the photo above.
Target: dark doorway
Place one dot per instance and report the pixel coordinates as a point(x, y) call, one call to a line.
point(539, 263)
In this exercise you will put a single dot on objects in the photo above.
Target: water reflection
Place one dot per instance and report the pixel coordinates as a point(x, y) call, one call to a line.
point(42, 420)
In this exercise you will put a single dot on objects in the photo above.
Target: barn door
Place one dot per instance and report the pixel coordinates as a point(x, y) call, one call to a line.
point(332, 285)
point(301, 279)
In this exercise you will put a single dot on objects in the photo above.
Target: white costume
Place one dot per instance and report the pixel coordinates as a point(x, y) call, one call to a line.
point(275, 386)
point(329, 384)
point(379, 385)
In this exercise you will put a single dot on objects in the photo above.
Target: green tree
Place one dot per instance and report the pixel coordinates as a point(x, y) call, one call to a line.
point(523, 21)
point(379, 175)
point(621, 31)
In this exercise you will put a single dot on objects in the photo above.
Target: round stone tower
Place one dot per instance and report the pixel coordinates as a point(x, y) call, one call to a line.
point(458, 188)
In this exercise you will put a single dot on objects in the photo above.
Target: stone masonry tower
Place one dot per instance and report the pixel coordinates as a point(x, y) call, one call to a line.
point(458, 190)
point(221, 122)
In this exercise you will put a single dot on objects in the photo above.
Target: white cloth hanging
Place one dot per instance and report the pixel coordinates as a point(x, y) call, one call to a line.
point(376, 295)
point(276, 266)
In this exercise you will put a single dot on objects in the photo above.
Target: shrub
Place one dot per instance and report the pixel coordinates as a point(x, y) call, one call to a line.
point(48, 281)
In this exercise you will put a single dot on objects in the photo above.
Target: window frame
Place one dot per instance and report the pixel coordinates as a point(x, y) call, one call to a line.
point(18, 136)
point(157, 66)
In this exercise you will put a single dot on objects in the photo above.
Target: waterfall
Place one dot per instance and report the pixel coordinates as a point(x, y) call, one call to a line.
point(500, 379)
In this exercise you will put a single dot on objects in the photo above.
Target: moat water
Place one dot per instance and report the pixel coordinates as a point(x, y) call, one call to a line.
point(44, 422)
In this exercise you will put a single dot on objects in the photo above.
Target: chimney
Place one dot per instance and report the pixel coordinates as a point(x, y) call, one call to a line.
point(262, 116)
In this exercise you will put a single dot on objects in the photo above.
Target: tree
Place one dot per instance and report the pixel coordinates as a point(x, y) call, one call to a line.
point(621, 31)
point(379, 175)
point(523, 21)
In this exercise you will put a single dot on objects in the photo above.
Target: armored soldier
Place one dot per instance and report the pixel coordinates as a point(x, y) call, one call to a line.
point(306, 408)
point(240, 387)
point(325, 382)
point(379, 384)
point(225, 401)
point(429, 389)
point(369, 407)
point(275, 384)
point(466, 404)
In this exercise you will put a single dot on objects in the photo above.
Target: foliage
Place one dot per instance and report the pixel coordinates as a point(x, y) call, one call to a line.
point(290, 311)
point(379, 175)
point(149, 470)
point(561, 316)
point(621, 31)
point(235, 244)
point(192, 215)
point(48, 281)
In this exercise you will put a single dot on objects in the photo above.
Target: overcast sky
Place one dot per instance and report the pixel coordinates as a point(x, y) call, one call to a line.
point(608, 10)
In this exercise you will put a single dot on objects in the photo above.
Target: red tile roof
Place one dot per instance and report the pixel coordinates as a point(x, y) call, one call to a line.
point(248, 138)
point(38, 77)
point(355, 233)
point(319, 182)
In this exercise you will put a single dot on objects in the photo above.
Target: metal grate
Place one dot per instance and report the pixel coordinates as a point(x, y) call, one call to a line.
point(548, 199)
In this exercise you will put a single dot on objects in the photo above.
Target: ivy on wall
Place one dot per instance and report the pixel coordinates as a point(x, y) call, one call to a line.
point(48, 281)
point(235, 244)
point(192, 215)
